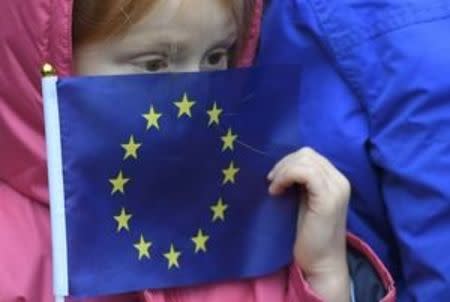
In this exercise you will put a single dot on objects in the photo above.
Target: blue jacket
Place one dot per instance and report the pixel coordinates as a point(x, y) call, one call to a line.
point(376, 101)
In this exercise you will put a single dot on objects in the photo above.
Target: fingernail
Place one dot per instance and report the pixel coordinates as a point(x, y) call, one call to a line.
point(270, 175)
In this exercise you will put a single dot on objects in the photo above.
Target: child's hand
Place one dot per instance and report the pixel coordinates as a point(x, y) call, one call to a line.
point(320, 247)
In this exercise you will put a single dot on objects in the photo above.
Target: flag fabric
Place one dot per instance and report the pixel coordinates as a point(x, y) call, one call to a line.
point(162, 178)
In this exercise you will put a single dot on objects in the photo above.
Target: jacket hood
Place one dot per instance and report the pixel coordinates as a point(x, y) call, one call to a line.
point(32, 33)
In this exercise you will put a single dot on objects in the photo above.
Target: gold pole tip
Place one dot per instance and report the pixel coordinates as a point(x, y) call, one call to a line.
point(48, 70)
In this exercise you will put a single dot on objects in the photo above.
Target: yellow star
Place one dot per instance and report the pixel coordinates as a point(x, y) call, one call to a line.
point(131, 148)
point(172, 257)
point(200, 241)
point(219, 210)
point(214, 115)
point(184, 106)
point(143, 247)
point(119, 183)
point(152, 118)
point(230, 173)
point(228, 140)
point(122, 220)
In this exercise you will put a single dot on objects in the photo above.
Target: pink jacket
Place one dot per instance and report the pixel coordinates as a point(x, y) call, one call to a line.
point(38, 31)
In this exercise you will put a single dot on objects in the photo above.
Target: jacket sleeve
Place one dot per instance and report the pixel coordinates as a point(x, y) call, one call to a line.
point(371, 280)
point(25, 257)
point(408, 105)
point(410, 119)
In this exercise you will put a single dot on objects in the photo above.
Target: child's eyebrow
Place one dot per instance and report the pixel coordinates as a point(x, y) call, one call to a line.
point(177, 46)
point(162, 47)
point(163, 43)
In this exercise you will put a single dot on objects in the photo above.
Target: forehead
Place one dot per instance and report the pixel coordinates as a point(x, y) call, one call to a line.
point(179, 19)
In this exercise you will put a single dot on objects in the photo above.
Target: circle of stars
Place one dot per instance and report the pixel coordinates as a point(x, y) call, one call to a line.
point(131, 151)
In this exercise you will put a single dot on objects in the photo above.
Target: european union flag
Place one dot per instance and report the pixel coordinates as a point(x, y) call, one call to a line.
point(159, 181)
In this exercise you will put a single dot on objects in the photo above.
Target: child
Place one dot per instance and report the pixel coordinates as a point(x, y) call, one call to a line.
point(117, 37)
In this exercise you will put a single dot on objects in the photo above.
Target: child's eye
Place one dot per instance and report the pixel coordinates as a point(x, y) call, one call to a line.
point(155, 65)
point(217, 59)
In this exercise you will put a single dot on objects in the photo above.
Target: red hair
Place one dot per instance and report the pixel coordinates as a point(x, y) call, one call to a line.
point(95, 20)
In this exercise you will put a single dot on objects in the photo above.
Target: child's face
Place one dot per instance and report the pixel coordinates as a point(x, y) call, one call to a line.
point(175, 36)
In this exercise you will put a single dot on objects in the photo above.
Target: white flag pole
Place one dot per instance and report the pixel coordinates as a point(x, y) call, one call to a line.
point(56, 184)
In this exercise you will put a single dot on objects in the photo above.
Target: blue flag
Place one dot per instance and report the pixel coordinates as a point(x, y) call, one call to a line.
point(163, 177)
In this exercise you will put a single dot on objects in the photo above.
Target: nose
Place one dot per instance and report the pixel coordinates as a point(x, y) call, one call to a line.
point(191, 68)
point(188, 67)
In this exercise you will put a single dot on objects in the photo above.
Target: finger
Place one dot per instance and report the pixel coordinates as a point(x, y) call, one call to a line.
point(338, 185)
point(303, 152)
point(304, 157)
point(311, 156)
point(305, 175)
point(279, 165)
point(335, 178)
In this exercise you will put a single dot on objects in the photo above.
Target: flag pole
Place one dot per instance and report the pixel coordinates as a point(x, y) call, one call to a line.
point(56, 184)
